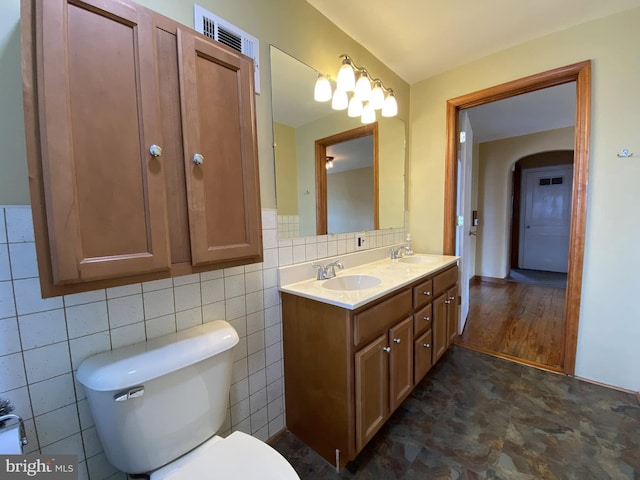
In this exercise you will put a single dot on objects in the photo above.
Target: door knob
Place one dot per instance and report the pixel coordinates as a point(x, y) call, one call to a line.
point(426, 319)
point(386, 349)
point(197, 159)
point(155, 150)
point(426, 345)
point(396, 340)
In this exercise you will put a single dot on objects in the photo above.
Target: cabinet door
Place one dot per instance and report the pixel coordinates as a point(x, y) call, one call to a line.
point(372, 389)
point(440, 334)
point(452, 314)
point(423, 355)
point(97, 94)
point(401, 366)
point(221, 163)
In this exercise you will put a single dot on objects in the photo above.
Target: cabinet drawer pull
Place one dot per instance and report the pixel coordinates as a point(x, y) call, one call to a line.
point(452, 298)
point(427, 293)
point(198, 159)
point(386, 349)
point(396, 340)
point(426, 345)
point(447, 302)
point(426, 319)
point(155, 150)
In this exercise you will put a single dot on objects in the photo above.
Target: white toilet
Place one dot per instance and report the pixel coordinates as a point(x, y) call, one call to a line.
point(158, 404)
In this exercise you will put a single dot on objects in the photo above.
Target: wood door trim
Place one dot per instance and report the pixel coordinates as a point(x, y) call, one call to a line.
point(581, 74)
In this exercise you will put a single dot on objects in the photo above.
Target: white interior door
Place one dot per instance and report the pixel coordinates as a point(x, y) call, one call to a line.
point(463, 236)
point(546, 218)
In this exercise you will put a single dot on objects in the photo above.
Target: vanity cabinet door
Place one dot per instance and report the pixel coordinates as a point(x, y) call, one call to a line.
point(372, 389)
point(401, 362)
point(440, 333)
point(221, 162)
point(104, 194)
point(452, 314)
point(423, 355)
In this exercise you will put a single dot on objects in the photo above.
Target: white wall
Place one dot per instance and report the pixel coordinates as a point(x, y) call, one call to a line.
point(495, 190)
point(609, 330)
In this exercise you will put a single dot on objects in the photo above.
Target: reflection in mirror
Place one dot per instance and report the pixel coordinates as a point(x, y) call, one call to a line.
point(346, 173)
point(298, 123)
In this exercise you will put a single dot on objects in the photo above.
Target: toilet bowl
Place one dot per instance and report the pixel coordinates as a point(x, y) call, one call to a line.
point(158, 404)
point(239, 457)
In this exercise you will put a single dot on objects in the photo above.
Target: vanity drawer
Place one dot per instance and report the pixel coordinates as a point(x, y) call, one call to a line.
point(422, 320)
point(422, 293)
point(377, 319)
point(444, 280)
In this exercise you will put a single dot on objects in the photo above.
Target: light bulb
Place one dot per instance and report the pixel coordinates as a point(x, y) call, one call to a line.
point(368, 114)
point(355, 107)
point(340, 100)
point(346, 77)
point(390, 107)
point(377, 96)
point(322, 91)
point(363, 87)
point(329, 164)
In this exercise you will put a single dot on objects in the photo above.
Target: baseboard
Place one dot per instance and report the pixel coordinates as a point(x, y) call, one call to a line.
point(612, 387)
point(474, 280)
point(499, 281)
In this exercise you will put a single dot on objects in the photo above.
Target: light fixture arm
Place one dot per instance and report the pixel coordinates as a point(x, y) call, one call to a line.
point(358, 69)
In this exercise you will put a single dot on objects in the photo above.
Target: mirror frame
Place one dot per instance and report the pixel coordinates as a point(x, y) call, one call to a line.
point(321, 172)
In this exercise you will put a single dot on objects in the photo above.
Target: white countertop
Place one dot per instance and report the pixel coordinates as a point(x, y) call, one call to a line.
point(393, 274)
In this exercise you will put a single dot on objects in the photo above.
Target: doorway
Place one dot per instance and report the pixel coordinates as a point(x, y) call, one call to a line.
point(581, 74)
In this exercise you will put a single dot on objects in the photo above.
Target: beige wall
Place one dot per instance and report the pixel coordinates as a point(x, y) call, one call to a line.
point(286, 169)
point(496, 162)
point(13, 163)
point(292, 25)
point(609, 331)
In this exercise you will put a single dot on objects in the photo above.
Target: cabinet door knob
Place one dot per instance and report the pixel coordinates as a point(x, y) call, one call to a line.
point(426, 292)
point(426, 319)
point(447, 302)
point(155, 150)
point(386, 349)
point(396, 340)
point(426, 345)
point(197, 159)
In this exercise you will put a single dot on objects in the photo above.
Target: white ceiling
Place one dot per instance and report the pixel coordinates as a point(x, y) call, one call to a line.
point(421, 38)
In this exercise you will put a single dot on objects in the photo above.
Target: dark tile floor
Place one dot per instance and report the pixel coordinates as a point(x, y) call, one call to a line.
point(475, 416)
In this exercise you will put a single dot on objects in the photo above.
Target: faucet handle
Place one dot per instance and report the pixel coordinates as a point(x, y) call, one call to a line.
point(321, 273)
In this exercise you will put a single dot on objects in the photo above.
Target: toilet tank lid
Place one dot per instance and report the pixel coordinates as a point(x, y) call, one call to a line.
point(135, 364)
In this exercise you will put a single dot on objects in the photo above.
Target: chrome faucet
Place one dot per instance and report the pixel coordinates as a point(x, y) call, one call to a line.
point(327, 271)
point(400, 252)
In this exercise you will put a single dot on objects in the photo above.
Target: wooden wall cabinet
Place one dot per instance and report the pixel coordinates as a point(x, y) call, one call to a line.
point(118, 101)
point(347, 371)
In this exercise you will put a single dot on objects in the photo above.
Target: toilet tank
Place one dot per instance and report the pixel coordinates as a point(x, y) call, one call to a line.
point(154, 401)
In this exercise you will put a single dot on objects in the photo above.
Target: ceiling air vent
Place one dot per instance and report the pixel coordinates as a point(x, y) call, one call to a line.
point(214, 27)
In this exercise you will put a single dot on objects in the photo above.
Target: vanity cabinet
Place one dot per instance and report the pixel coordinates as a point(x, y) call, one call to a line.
point(346, 371)
point(141, 146)
point(445, 311)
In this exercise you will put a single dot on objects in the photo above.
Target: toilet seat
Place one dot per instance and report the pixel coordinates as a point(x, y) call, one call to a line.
point(238, 457)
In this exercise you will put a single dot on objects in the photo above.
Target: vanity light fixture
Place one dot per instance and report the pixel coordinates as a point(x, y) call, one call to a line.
point(367, 94)
point(322, 91)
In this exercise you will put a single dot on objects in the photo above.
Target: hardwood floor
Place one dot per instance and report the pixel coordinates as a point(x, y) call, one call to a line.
point(517, 320)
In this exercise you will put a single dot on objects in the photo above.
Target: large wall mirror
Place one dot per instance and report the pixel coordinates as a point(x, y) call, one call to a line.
point(365, 187)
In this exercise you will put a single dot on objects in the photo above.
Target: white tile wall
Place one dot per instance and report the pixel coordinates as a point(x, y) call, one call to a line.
point(42, 342)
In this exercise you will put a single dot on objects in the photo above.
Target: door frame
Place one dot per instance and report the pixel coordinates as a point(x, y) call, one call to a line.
point(581, 74)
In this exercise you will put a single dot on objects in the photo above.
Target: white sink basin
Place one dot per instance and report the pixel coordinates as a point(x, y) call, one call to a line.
point(352, 282)
point(427, 259)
